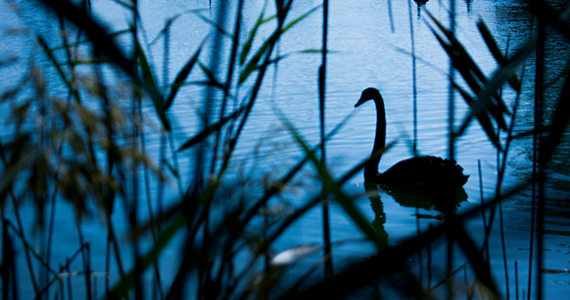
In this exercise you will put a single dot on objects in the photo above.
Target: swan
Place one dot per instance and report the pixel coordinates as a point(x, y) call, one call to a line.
point(425, 171)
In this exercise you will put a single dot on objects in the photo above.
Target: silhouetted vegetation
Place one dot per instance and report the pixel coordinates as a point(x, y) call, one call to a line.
point(87, 146)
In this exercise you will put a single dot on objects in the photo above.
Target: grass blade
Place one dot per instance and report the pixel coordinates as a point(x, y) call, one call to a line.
point(182, 75)
point(252, 65)
point(213, 81)
point(498, 79)
point(496, 52)
point(209, 130)
point(247, 46)
point(333, 188)
point(557, 127)
point(96, 32)
point(150, 85)
point(57, 66)
point(482, 117)
point(214, 24)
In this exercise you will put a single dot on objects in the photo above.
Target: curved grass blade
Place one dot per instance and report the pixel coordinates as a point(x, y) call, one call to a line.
point(465, 66)
point(530, 132)
point(333, 187)
point(170, 168)
point(57, 66)
point(102, 41)
point(498, 79)
point(209, 130)
point(127, 282)
point(481, 116)
point(169, 23)
point(277, 186)
point(496, 52)
point(470, 68)
point(247, 46)
point(182, 75)
point(360, 273)
point(150, 85)
point(213, 81)
point(214, 24)
point(559, 123)
point(252, 65)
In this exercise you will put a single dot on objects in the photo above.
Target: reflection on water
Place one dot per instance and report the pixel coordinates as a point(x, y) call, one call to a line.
point(378, 209)
point(445, 201)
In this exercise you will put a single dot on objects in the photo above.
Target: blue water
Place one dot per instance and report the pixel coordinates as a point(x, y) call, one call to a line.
point(368, 48)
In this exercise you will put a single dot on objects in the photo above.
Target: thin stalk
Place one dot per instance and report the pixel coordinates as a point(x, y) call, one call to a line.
point(451, 146)
point(62, 269)
point(7, 261)
point(322, 90)
point(111, 164)
point(136, 117)
point(516, 280)
point(153, 229)
point(534, 174)
point(29, 248)
point(107, 262)
point(419, 232)
point(85, 256)
point(429, 287)
point(227, 87)
point(451, 103)
point(69, 291)
point(21, 228)
point(282, 13)
point(504, 248)
point(414, 79)
point(487, 226)
point(175, 164)
point(391, 16)
point(539, 102)
point(205, 267)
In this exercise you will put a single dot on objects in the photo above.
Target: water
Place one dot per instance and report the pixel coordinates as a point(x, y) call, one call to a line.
point(366, 43)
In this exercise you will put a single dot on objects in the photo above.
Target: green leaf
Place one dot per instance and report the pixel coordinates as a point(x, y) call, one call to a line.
point(559, 123)
point(249, 41)
point(470, 71)
point(209, 130)
point(103, 42)
point(212, 78)
point(214, 24)
point(127, 282)
point(482, 117)
point(169, 22)
point(252, 65)
point(151, 87)
point(496, 52)
point(333, 188)
point(182, 75)
point(170, 167)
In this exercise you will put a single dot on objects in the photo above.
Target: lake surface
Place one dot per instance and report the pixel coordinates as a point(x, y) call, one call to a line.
point(370, 47)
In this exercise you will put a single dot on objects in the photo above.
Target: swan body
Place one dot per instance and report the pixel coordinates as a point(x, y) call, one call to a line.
point(428, 171)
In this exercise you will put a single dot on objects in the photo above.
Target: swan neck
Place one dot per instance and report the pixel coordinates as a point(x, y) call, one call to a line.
point(371, 169)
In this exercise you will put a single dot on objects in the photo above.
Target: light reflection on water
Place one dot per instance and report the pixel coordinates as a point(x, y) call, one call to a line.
point(365, 53)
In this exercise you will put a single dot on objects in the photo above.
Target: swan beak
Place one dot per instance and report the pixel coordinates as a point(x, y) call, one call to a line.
point(360, 101)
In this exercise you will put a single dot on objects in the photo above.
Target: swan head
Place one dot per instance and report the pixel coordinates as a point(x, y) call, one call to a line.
point(368, 94)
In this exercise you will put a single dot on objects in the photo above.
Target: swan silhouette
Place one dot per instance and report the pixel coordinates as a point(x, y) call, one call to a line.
point(424, 171)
